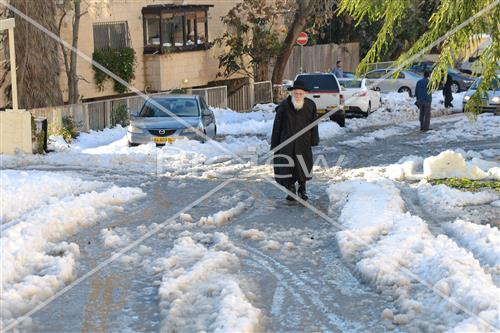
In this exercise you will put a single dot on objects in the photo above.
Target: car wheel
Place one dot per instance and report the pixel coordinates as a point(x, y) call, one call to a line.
point(405, 90)
point(215, 131)
point(455, 87)
point(369, 109)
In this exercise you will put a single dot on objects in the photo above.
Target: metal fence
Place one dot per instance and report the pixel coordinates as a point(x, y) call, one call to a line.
point(247, 96)
point(99, 115)
point(214, 96)
point(240, 99)
point(263, 92)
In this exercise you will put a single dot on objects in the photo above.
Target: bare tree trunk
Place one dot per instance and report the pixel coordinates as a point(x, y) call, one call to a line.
point(36, 54)
point(304, 11)
point(73, 94)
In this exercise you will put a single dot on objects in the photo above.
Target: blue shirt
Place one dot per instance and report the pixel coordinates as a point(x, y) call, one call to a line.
point(338, 72)
point(421, 91)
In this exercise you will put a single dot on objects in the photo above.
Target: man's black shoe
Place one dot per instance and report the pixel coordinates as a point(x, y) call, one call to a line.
point(290, 189)
point(302, 192)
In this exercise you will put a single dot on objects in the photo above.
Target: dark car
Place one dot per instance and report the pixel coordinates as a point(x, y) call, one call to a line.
point(460, 81)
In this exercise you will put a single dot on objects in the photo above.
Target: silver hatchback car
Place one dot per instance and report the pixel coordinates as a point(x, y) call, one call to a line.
point(382, 80)
point(153, 124)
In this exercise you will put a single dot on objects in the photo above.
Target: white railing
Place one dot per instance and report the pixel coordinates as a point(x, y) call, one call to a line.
point(242, 100)
point(214, 96)
point(98, 115)
point(263, 92)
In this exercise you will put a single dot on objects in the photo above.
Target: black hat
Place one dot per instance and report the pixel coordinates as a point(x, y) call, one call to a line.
point(298, 84)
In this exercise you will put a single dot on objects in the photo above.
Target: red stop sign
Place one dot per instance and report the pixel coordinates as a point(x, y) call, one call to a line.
point(302, 39)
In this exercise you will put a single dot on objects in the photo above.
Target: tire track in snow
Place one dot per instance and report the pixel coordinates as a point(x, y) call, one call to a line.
point(309, 293)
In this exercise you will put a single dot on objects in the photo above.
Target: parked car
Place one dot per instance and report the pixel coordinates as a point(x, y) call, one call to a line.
point(359, 100)
point(382, 80)
point(347, 75)
point(422, 66)
point(154, 124)
point(490, 101)
point(460, 81)
point(324, 90)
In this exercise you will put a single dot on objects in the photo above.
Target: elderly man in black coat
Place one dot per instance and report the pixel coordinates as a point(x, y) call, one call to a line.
point(293, 160)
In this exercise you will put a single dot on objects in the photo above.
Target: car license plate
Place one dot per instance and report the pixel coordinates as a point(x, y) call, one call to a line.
point(167, 139)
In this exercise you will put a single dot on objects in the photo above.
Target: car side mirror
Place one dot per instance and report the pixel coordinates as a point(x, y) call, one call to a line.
point(206, 112)
point(134, 114)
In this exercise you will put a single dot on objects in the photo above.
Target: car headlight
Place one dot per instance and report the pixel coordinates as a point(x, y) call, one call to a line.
point(495, 99)
point(133, 129)
point(466, 98)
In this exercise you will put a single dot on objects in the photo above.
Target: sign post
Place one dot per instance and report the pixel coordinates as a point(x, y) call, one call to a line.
point(302, 40)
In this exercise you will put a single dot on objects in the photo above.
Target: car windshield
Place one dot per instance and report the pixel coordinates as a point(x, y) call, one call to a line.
point(478, 82)
point(320, 83)
point(181, 107)
point(350, 83)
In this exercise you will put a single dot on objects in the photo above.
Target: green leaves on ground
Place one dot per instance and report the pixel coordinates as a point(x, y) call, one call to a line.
point(467, 184)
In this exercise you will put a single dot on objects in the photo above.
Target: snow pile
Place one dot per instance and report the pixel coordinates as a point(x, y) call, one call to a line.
point(112, 239)
point(34, 265)
point(485, 127)
point(447, 164)
point(99, 138)
point(253, 234)
point(183, 157)
point(399, 108)
point(22, 191)
point(444, 196)
point(258, 122)
point(224, 216)
point(482, 240)
point(397, 253)
point(329, 129)
point(406, 168)
point(200, 291)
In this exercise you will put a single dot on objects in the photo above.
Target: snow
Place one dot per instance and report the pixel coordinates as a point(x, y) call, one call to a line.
point(112, 238)
point(94, 139)
point(406, 168)
point(485, 127)
point(447, 164)
point(36, 262)
point(22, 191)
point(450, 198)
point(394, 251)
point(200, 290)
point(400, 109)
point(376, 135)
point(224, 216)
point(482, 240)
point(253, 234)
point(229, 122)
point(450, 164)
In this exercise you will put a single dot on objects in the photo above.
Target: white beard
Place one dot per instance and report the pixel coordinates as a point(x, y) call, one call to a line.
point(297, 105)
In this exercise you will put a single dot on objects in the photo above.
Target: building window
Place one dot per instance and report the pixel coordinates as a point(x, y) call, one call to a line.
point(175, 28)
point(112, 35)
